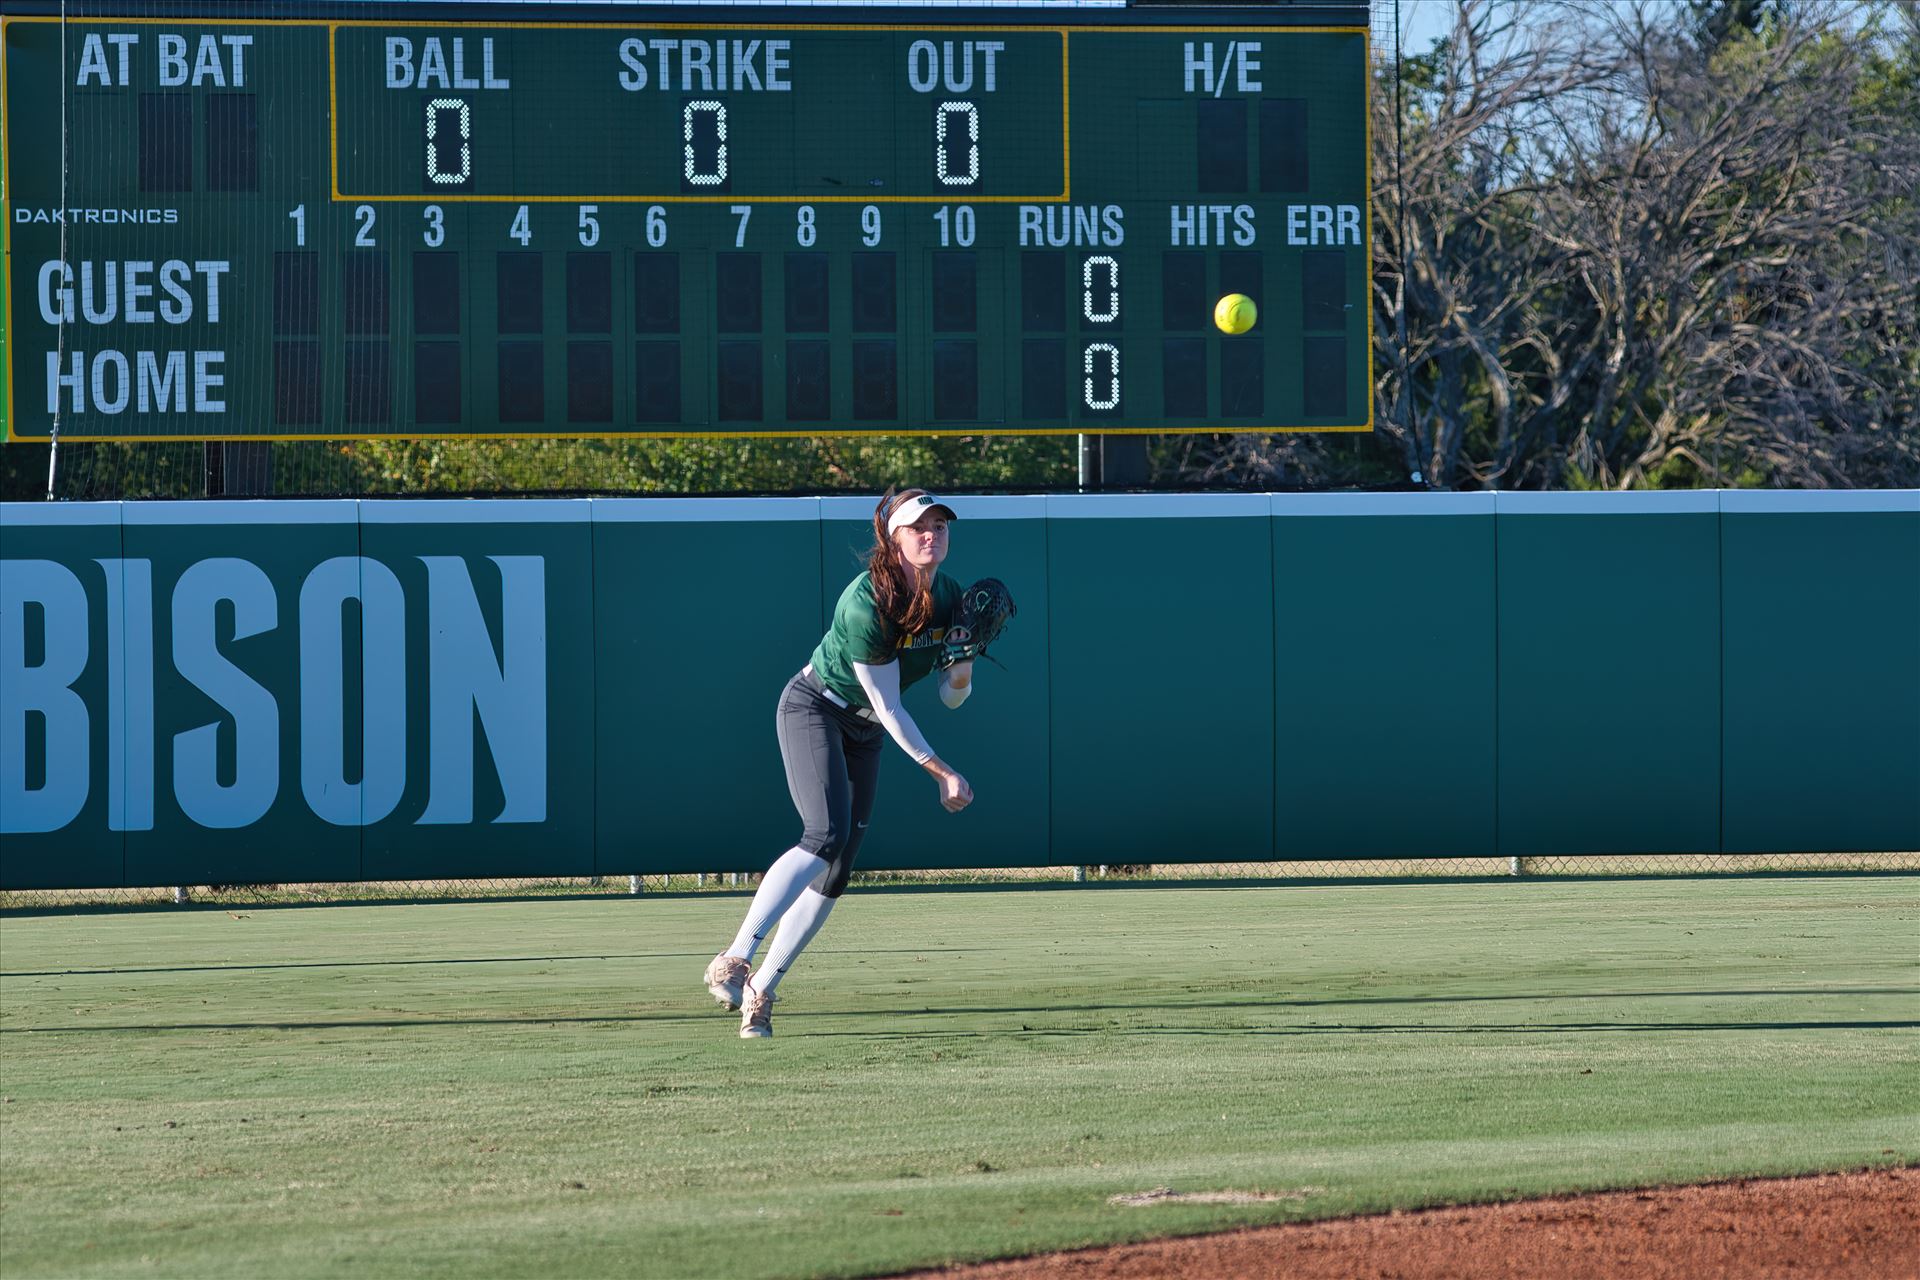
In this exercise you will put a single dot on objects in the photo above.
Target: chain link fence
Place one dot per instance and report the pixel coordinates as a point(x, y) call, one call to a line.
point(1163, 874)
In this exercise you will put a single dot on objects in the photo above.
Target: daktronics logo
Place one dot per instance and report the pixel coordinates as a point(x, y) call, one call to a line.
point(105, 217)
point(217, 603)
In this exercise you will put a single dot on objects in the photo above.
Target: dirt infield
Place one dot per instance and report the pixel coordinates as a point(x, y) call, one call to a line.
point(1845, 1226)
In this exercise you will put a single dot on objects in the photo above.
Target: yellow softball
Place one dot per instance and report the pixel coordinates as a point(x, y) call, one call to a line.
point(1235, 313)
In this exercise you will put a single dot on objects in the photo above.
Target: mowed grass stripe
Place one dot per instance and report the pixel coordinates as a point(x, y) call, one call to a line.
point(544, 1088)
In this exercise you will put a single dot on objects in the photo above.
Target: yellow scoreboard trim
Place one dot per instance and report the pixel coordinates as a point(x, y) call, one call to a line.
point(1366, 117)
point(1066, 127)
point(333, 119)
point(902, 433)
point(6, 232)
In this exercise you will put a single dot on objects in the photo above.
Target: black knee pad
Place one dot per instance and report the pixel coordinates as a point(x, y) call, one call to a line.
point(839, 855)
point(839, 867)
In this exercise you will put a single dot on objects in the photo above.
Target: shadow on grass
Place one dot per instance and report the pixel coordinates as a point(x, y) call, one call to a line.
point(1000, 1033)
point(1119, 884)
point(1388, 1028)
point(377, 964)
point(1056, 1010)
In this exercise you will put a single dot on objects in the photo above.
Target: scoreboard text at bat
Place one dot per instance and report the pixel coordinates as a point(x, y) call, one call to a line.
point(308, 229)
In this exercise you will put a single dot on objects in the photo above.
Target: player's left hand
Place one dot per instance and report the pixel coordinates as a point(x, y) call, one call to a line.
point(985, 608)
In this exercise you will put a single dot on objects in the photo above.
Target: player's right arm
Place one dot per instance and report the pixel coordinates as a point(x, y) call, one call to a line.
point(881, 683)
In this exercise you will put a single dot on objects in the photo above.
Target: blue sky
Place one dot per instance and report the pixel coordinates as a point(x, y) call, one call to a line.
point(1421, 22)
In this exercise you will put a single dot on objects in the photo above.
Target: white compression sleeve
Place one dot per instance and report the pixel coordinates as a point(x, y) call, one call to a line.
point(797, 928)
point(785, 881)
point(951, 696)
point(882, 684)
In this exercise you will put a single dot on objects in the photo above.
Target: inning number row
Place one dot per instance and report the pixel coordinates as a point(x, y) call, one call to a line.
point(958, 225)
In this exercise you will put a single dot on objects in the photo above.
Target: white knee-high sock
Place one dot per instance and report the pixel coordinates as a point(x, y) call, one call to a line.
point(785, 880)
point(797, 927)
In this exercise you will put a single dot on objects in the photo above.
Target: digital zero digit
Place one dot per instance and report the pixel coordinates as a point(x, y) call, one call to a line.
point(1109, 396)
point(437, 148)
point(968, 117)
point(710, 169)
point(1110, 310)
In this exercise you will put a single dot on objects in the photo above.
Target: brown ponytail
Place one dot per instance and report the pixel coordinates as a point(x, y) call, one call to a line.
point(894, 594)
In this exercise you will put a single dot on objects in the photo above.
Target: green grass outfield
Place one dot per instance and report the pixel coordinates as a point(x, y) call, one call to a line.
point(544, 1088)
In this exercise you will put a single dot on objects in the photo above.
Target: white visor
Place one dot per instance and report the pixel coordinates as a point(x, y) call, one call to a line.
point(910, 511)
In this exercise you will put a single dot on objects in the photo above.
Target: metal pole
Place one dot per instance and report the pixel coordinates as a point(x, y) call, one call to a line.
point(1406, 252)
point(60, 336)
point(633, 884)
point(1123, 462)
point(238, 469)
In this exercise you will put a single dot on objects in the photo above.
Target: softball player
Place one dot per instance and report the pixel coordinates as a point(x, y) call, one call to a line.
point(886, 635)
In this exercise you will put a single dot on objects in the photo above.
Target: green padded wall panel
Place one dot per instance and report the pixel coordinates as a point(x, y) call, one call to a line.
point(283, 691)
point(1609, 660)
point(62, 798)
point(1163, 679)
point(484, 580)
point(1383, 643)
point(702, 610)
point(1822, 671)
point(233, 574)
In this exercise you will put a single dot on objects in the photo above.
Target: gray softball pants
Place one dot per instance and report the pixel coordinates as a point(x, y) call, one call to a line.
point(832, 755)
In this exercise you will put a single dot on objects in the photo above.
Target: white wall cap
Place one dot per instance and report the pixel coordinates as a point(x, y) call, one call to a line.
point(477, 511)
point(998, 506)
point(1606, 502)
point(1383, 504)
point(1765, 501)
point(28, 515)
point(1151, 506)
point(251, 511)
point(702, 510)
point(841, 506)
point(966, 506)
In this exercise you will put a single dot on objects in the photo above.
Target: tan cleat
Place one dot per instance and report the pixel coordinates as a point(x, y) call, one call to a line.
point(727, 978)
point(756, 1015)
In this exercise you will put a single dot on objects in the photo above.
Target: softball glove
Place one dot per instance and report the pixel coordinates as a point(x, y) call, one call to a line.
point(985, 608)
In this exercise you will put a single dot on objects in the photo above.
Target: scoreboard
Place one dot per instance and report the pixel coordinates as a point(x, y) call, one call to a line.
point(666, 221)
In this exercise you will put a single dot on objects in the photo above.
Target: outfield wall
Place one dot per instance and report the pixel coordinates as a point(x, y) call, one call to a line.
point(279, 691)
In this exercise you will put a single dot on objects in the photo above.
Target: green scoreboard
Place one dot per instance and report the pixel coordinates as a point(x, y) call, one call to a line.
point(437, 220)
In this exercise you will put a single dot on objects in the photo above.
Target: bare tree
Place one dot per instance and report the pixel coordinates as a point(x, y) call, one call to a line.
point(1738, 277)
point(1618, 243)
point(1458, 268)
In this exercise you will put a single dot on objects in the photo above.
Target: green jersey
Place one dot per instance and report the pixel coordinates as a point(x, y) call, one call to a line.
point(860, 634)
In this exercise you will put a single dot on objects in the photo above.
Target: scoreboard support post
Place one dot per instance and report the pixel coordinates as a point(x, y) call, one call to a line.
point(1123, 462)
point(238, 469)
point(1113, 462)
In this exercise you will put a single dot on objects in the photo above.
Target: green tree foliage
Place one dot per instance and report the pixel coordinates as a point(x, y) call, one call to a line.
point(1715, 22)
point(716, 465)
